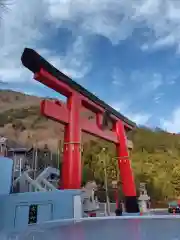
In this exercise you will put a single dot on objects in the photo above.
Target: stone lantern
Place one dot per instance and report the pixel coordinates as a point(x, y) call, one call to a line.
point(114, 184)
point(143, 199)
point(115, 188)
point(89, 199)
point(3, 146)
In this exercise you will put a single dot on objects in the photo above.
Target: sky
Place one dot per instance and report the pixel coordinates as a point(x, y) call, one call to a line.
point(127, 52)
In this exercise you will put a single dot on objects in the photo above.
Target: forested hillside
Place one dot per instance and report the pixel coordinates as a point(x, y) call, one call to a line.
point(155, 158)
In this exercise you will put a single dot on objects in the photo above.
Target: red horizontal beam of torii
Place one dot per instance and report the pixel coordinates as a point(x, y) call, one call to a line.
point(70, 115)
point(59, 112)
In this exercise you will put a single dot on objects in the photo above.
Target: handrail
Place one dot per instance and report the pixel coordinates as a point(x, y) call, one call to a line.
point(47, 183)
point(37, 182)
point(34, 182)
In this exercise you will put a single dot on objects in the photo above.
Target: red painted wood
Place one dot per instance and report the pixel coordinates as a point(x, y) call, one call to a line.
point(70, 115)
point(55, 111)
point(126, 174)
point(71, 169)
point(92, 128)
point(99, 110)
point(53, 83)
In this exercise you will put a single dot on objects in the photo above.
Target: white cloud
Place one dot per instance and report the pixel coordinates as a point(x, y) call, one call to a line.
point(139, 118)
point(164, 20)
point(152, 83)
point(147, 82)
point(118, 77)
point(158, 97)
point(120, 106)
point(101, 16)
point(74, 62)
point(111, 19)
point(172, 78)
point(171, 82)
point(117, 19)
point(22, 26)
point(173, 124)
point(144, 47)
point(17, 31)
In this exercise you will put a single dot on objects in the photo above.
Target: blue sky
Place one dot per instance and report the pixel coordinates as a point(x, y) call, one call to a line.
point(127, 52)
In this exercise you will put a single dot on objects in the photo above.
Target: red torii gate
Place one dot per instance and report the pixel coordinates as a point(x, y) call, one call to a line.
point(69, 114)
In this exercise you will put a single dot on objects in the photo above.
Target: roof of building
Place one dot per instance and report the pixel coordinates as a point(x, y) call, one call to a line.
point(14, 146)
point(18, 150)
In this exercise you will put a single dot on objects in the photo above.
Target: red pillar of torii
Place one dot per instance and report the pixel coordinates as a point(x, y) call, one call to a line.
point(69, 115)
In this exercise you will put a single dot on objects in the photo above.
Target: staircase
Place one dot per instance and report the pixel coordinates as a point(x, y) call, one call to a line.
point(45, 181)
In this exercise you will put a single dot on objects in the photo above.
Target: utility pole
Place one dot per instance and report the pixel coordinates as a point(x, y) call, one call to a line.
point(106, 181)
point(59, 148)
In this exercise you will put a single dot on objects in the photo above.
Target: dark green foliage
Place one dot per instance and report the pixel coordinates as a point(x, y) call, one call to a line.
point(155, 160)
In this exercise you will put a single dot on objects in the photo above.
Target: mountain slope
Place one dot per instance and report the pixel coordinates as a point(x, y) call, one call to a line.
point(155, 157)
point(21, 121)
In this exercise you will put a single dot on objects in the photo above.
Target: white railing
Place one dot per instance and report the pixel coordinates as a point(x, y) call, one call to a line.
point(33, 183)
point(28, 182)
point(48, 186)
point(39, 184)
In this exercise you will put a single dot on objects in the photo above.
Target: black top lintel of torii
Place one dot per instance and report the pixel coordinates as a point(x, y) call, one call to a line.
point(34, 62)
